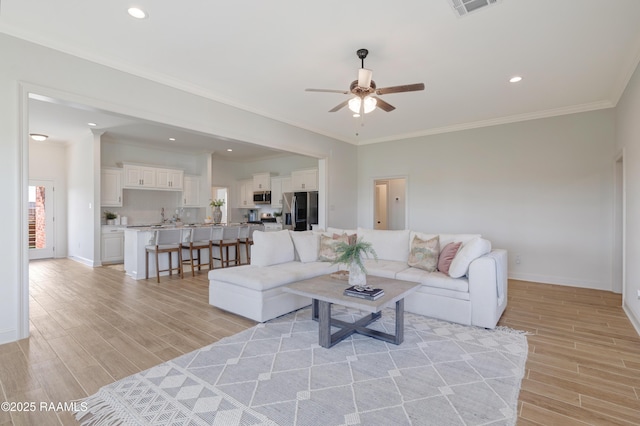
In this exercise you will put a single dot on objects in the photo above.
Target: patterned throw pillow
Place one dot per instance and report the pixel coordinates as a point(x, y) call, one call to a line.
point(327, 252)
point(446, 257)
point(424, 253)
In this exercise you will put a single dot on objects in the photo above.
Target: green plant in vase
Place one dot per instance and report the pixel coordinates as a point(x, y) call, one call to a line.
point(352, 255)
point(110, 216)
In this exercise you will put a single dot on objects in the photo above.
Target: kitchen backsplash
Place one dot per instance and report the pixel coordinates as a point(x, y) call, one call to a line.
point(144, 206)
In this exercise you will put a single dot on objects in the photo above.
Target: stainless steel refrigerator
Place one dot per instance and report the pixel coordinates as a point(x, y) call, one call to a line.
point(300, 210)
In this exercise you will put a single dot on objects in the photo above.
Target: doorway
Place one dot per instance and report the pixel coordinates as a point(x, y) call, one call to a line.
point(41, 219)
point(390, 204)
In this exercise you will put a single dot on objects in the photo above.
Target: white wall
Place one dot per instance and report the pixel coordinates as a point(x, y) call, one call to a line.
point(48, 161)
point(542, 189)
point(81, 200)
point(98, 86)
point(628, 139)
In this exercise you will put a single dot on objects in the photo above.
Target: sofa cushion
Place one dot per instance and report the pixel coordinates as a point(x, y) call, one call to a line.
point(384, 268)
point(389, 245)
point(446, 256)
point(434, 279)
point(271, 248)
point(469, 252)
point(307, 245)
point(261, 279)
point(424, 253)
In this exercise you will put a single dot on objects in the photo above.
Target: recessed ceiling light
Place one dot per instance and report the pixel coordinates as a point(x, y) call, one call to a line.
point(92, 124)
point(38, 137)
point(172, 139)
point(229, 150)
point(515, 79)
point(137, 13)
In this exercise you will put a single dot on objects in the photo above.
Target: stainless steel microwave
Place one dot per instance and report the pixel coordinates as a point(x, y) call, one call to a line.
point(262, 197)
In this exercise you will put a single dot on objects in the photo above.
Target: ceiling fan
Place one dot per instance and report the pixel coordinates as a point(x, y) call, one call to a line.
point(364, 89)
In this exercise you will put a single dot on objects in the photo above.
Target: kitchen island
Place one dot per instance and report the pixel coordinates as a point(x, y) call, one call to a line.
point(136, 238)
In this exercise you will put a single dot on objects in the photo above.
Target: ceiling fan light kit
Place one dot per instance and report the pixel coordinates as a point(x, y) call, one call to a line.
point(364, 89)
point(368, 103)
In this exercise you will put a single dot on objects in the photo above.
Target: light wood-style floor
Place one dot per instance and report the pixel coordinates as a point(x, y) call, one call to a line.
point(92, 326)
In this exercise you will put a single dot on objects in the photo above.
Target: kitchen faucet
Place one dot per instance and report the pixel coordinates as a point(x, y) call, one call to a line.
point(162, 215)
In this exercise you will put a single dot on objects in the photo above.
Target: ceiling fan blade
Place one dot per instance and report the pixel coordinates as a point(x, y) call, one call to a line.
point(398, 89)
point(344, 92)
point(339, 106)
point(364, 78)
point(385, 106)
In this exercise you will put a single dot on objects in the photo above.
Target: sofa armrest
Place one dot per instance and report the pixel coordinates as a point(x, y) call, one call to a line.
point(488, 288)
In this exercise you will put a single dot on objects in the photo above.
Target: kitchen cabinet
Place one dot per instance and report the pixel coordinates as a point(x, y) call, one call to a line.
point(279, 185)
point(262, 182)
point(191, 192)
point(304, 180)
point(112, 245)
point(148, 177)
point(169, 179)
point(245, 194)
point(111, 187)
point(139, 176)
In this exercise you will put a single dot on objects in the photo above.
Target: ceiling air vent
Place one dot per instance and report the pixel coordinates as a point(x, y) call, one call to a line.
point(464, 7)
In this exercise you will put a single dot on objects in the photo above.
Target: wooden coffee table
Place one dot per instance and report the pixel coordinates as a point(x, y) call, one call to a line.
point(325, 291)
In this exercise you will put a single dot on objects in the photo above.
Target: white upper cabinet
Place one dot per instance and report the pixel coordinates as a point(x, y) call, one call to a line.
point(304, 180)
point(169, 178)
point(111, 187)
point(245, 194)
point(139, 176)
point(279, 185)
point(262, 182)
point(147, 177)
point(191, 192)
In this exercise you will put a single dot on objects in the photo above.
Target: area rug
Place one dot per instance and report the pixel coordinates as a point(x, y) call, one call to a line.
point(276, 374)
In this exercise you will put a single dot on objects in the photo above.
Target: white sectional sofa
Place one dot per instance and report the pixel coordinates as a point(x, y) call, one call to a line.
point(476, 294)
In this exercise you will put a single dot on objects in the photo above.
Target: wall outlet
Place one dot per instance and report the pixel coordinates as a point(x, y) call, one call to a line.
point(518, 259)
point(638, 294)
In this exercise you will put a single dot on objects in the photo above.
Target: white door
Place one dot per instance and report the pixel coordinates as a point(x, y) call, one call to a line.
point(41, 219)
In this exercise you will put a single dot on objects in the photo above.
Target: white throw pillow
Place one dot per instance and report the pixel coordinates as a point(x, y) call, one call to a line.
point(271, 248)
point(469, 252)
point(307, 244)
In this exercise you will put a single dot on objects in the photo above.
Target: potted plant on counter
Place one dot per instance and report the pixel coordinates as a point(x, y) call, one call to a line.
point(278, 216)
point(217, 213)
point(110, 217)
point(352, 255)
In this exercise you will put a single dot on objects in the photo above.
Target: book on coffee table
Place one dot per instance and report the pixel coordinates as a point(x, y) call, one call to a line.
point(360, 292)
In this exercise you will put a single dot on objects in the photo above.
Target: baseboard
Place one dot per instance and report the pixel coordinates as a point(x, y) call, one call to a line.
point(634, 321)
point(82, 260)
point(8, 336)
point(569, 282)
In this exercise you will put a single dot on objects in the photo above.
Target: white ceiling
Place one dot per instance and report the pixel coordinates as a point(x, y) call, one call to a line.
point(260, 56)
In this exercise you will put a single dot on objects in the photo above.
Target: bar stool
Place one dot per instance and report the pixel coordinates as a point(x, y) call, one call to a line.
point(243, 237)
point(166, 241)
point(229, 239)
point(199, 239)
point(248, 239)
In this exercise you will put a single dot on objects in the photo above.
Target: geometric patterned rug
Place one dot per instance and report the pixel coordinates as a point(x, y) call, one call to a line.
point(276, 374)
